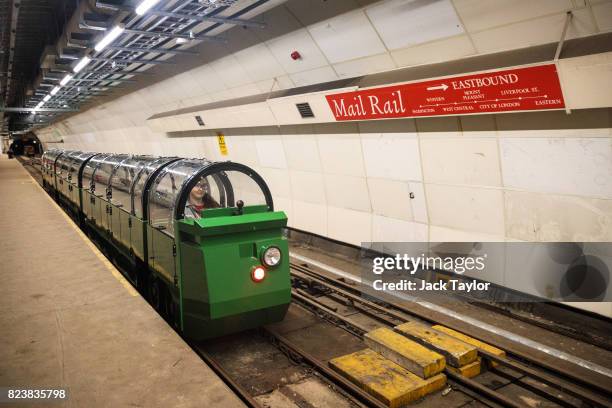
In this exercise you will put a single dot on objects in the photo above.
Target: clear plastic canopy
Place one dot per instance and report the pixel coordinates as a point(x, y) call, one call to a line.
point(89, 170)
point(123, 177)
point(140, 183)
point(103, 172)
point(76, 163)
point(187, 187)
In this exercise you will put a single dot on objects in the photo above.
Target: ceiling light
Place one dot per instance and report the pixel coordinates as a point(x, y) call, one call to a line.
point(65, 80)
point(145, 6)
point(55, 90)
point(46, 98)
point(82, 63)
point(110, 37)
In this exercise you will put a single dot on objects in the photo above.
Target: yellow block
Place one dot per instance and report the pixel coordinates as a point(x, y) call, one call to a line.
point(457, 352)
point(468, 370)
point(476, 343)
point(385, 380)
point(405, 352)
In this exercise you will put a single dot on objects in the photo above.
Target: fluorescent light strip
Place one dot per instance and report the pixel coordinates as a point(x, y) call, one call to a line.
point(65, 80)
point(145, 6)
point(82, 63)
point(109, 38)
point(55, 90)
point(46, 98)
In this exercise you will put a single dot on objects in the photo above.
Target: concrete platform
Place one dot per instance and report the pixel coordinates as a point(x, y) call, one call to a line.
point(70, 320)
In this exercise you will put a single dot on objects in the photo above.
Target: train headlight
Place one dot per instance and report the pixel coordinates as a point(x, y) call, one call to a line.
point(271, 256)
point(258, 274)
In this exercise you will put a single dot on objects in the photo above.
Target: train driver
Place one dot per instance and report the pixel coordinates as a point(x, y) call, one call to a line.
point(199, 199)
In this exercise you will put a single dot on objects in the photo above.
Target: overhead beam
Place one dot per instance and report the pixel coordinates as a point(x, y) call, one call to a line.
point(132, 61)
point(20, 109)
point(15, 6)
point(212, 19)
point(171, 35)
point(152, 50)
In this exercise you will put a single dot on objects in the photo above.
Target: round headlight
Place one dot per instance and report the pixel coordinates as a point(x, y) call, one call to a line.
point(272, 256)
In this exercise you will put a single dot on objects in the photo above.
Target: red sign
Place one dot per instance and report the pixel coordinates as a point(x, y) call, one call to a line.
point(519, 89)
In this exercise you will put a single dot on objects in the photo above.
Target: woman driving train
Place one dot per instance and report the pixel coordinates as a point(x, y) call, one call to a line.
point(199, 199)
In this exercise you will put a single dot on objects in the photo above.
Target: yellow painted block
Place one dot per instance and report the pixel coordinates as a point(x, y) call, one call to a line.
point(407, 353)
point(470, 340)
point(457, 352)
point(385, 380)
point(468, 370)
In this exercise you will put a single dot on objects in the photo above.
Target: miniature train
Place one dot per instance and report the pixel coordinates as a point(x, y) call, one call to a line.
point(200, 239)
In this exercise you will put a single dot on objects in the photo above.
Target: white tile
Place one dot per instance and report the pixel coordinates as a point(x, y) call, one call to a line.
point(390, 198)
point(283, 204)
point(392, 156)
point(244, 90)
point(557, 218)
point(466, 208)
point(208, 79)
point(314, 76)
point(443, 234)
point(365, 66)
point(259, 62)
point(386, 229)
point(478, 15)
point(308, 187)
point(230, 71)
point(603, 15)
point(275, 84)
point(277, 180)
point(586, 81)
point(401, 23)
point(309, 217)
point(347, 36)
point(418, 202)
point(300, 41)
point(270, 152)
point(341, 154)
point(565, 165)
point(347, 192)
point(532, 32)
point(461, 161)
point(302, 152)
point(353, 227)
point(436, 51)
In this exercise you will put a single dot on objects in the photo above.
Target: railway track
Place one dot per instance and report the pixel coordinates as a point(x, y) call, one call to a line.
point(391, 314)
point(310, 287)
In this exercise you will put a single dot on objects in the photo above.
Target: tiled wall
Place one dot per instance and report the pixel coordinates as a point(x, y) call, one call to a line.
point(487, 178)
point(531, 176)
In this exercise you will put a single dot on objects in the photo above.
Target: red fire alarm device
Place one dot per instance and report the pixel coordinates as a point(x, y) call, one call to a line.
point(295, 55)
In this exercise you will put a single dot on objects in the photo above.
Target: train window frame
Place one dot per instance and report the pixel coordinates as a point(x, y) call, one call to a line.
point(222, 168)
point(149, 172)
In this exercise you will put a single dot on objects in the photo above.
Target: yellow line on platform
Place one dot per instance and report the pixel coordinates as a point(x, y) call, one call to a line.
point(94, 249)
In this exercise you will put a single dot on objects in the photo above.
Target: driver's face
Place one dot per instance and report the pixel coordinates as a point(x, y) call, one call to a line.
point(199, 190)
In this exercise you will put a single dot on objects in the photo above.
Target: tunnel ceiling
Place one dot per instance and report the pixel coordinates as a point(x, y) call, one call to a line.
point(27, 27)
point(43, 40)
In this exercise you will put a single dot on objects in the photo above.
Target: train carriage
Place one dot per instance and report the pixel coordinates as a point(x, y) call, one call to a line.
point(202, 238)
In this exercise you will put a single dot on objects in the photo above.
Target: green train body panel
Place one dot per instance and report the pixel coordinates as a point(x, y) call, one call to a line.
point(163, 253)
point(217, 254)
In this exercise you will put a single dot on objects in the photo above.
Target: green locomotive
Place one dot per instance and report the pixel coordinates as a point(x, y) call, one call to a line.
point(201, 239)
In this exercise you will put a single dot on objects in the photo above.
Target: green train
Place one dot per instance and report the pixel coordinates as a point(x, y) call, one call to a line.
point(199, 238)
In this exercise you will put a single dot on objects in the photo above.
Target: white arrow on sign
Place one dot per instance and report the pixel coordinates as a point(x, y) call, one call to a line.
point(443, 87)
